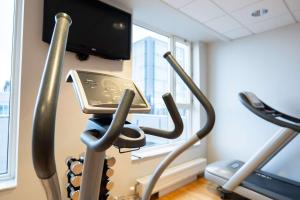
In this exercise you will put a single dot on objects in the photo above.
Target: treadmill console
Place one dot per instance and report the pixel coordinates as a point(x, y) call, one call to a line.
point(254, 101)
point(101, 93)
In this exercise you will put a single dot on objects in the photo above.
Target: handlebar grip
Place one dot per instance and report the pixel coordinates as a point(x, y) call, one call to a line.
point(175, 115)
point(198, 94)
point(47, 99)
point(113, 131)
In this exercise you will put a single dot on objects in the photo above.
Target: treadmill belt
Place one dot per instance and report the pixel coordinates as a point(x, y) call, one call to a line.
point(271, 187)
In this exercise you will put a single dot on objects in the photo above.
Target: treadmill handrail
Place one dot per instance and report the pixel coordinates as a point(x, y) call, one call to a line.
point(270, 117)
point(114, 129)
point(176, 118)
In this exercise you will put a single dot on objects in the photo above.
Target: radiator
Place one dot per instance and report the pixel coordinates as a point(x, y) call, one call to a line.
point(173, 177)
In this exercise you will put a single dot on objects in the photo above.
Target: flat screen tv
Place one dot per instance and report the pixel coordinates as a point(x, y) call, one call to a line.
point(97, 28)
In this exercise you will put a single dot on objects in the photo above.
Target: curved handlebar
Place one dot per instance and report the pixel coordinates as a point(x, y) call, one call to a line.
point(176, 118)
point(113, 132)
point(46, 104)
point(210, 113)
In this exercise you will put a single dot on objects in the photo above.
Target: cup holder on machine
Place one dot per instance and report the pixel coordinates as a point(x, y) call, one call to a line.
point(131, 137)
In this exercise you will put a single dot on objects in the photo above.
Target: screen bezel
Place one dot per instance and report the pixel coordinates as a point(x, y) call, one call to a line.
point(88, 50)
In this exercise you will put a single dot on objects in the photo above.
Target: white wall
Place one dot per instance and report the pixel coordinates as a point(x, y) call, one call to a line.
point(268, 65)
point(70, 120)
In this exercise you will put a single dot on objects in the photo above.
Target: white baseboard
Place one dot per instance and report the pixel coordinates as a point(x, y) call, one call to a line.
point(174, 177)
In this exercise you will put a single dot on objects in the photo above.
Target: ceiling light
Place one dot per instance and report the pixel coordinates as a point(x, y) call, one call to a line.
point(260, 12)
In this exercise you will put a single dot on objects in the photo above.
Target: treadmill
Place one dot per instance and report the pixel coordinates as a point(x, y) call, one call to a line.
point(273, 172)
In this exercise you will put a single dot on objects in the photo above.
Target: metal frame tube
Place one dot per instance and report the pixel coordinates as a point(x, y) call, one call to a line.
point(45, 110)
point(165, 163)
point(210, 113)
point(275, 143)
point(51, 186)
point(91, 175)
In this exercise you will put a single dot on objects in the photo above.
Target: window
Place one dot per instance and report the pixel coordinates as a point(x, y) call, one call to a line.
point(10, 48)
point(4, 109)
point(154, 77)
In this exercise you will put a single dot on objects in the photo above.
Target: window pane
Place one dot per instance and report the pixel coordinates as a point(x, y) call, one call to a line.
point(151, 74)
point(6, 34)
point(182, 54)
point(183, 94)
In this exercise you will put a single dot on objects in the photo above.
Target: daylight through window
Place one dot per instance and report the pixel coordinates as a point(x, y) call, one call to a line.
point(154, 76)
point(10, 51)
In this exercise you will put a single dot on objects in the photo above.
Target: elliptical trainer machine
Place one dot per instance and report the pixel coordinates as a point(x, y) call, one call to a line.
point(99, 95)
point(104, 129)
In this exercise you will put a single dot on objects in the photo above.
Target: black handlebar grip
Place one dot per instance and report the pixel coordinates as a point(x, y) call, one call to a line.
point(175, 115)
point(198, 94)
point(47, 99)
point(116, 125)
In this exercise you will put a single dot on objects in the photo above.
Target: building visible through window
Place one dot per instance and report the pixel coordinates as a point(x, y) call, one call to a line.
point(4, 100)
point(150, 71)
point(6, 38)
point(154, 77)
point(4, 126)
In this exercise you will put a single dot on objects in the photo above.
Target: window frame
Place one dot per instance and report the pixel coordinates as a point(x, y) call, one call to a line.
point(157, 150)
point(9, 180)
point(189, 105)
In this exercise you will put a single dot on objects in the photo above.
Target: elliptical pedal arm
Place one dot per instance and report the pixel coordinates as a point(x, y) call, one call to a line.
point(45, 109)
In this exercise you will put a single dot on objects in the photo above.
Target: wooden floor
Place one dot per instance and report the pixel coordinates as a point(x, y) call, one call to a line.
point(198, 190)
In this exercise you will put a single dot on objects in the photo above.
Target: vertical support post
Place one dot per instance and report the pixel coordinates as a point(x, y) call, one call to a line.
point(279, 139)
point(92, 175)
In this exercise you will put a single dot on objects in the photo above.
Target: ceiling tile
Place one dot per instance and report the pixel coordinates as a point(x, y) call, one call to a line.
point(202, 10)
point(223, 24)
point(232, 5)
point(177, 3)
point(272, 23)
point(297, 15)
point(293, 4)
point(275, 8)
point(237, 33)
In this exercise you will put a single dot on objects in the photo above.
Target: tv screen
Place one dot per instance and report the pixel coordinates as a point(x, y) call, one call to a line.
point(97, 28)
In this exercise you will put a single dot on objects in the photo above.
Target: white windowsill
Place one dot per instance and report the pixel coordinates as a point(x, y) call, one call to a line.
point(152, 152)
point(6, 184)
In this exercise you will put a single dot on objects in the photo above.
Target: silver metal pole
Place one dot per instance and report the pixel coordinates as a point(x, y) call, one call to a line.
point(165, 163)
point(51, 187)
point(275, 143)
point(91, 175)
point(45, 110)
